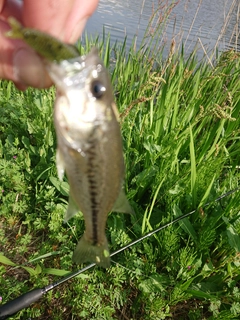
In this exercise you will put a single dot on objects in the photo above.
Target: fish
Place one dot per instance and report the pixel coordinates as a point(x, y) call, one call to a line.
point(89, 147)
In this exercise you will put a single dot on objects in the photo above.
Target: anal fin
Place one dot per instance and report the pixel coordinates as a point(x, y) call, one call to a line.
point(122, 204)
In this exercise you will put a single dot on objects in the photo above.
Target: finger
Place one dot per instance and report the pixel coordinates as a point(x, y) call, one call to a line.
point(47, 15)
point(29, 69)
point(78, 17)
point(64, 19)
point(2, 2)
point(10, 8)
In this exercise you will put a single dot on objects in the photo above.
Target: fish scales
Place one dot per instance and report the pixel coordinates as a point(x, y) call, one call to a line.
point(93, 179)
point(89, 143)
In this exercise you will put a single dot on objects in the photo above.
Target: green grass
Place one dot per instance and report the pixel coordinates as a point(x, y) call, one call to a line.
point(181, 129)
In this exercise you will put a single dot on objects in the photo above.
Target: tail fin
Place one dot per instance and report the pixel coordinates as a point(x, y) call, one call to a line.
point(87, 252)
point(16, 31)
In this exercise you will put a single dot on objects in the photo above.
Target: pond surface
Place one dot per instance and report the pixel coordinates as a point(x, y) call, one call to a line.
point(203, 24)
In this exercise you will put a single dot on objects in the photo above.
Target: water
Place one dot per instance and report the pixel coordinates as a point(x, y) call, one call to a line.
point(203, 24)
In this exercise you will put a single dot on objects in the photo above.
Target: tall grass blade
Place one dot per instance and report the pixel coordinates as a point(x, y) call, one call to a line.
point(193, 168)
point(5, 260)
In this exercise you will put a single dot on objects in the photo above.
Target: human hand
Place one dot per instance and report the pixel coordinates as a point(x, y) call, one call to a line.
point(64, 19)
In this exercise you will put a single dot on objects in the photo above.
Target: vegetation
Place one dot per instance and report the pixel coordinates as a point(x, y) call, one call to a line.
point(181, 130)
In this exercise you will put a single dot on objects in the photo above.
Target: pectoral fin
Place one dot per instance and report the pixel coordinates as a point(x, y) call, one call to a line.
point(72, 209)
point(122, 204)
point(60, 164)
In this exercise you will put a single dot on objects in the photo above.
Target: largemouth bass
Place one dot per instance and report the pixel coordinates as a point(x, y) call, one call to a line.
point(89, 145)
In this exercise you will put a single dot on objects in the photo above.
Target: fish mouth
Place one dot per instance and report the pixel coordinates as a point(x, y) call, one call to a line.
point(65, 74)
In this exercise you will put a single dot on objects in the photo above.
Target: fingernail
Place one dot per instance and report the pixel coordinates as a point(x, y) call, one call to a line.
point(77, 31)
point(29, 70)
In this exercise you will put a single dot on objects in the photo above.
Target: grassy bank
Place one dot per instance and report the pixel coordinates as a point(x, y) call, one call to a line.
point(181, 129)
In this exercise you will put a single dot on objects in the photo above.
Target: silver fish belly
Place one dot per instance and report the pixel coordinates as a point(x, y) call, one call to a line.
point(89, 149)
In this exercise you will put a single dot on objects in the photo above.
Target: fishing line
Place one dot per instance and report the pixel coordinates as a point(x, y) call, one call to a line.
point(14, 306)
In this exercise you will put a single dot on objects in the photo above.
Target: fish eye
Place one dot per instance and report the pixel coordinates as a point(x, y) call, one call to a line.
point(97, 89)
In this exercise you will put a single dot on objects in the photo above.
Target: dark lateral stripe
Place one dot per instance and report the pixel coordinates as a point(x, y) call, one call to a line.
point(94, 207)
point(93, 194)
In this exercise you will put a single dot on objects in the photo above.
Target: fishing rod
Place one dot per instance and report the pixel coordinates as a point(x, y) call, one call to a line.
point(16, 305)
